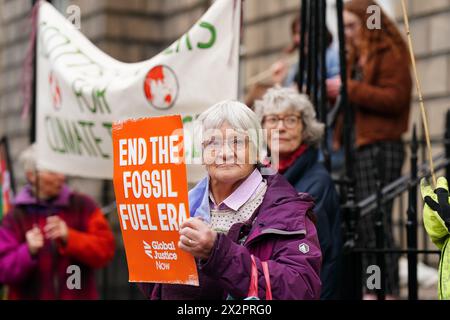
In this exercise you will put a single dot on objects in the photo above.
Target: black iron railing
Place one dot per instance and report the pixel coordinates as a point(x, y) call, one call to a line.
point(374, 205)
point(408, 224)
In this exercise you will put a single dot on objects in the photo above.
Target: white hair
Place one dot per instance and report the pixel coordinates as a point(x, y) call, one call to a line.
point(28, 158)
point(240, 117)
point(278, 99)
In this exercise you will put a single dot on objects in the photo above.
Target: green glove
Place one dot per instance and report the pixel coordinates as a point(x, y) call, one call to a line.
point(436, 211)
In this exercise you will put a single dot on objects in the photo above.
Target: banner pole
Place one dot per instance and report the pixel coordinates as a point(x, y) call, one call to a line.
point(419, 92)
point(32, 134)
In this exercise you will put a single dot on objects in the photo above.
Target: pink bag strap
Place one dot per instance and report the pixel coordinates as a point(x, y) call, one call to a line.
point(253, 289)
point(265, 267)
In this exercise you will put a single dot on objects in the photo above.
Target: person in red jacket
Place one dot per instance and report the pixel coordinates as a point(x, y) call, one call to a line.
point(52, 239)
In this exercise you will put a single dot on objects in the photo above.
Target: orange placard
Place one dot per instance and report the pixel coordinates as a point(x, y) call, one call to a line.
point(150, 184)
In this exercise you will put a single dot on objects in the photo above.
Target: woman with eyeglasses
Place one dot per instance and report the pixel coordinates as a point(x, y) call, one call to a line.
point(242, 213)
point(293, 138)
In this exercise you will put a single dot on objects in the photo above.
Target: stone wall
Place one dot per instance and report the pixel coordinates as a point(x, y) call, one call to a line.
point(430, 29)
point(14, 26)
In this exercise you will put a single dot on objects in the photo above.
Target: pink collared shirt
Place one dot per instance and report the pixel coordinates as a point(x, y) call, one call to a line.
point(241, 195)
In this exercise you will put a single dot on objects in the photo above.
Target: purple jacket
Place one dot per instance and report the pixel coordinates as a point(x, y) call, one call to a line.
point(282, 234)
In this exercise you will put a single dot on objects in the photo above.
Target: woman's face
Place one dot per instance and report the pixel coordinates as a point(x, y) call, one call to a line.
point(286, 128)
point(352, 28)
point(227, 154)
point(49, 184)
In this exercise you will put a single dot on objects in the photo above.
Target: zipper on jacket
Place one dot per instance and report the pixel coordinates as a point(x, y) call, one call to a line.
point(276, 232)
point(282, 232)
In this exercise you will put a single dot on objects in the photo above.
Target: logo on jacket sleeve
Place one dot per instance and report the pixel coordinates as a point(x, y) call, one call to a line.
point(303, 247)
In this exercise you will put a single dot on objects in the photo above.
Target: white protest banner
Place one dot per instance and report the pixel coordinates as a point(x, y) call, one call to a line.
point(81, 90)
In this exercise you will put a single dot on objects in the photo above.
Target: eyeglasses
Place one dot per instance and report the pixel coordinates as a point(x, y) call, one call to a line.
point(289, 122)
point(217, 144)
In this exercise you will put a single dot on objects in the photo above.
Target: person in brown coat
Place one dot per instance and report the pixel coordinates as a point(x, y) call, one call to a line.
point(379, 90)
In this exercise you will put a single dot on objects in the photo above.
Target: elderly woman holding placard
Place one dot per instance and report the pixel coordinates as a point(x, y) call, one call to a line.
point(251, 233)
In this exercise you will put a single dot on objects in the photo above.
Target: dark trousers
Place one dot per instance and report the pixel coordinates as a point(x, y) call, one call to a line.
point(386, 158)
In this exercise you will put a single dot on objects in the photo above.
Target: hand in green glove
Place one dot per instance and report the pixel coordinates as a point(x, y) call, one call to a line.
point(436, 211)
